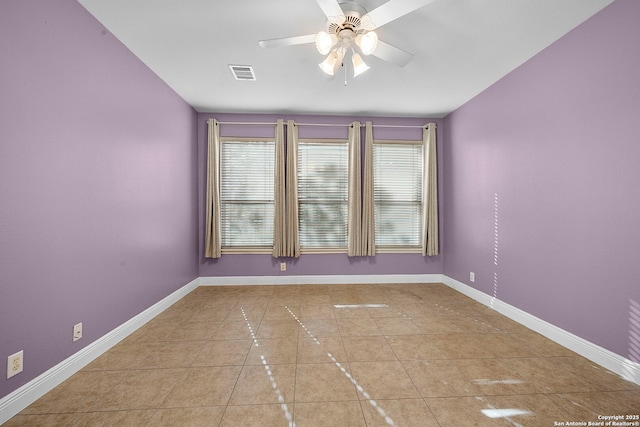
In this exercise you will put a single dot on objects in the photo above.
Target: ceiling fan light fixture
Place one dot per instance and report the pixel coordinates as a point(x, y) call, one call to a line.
point(329, 64)
point(324, 42)
point(359, 66)
point(367, 42)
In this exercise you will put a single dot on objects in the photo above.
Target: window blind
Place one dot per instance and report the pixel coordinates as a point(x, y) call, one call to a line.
point(398, 170)
point(247, 193)
point(322, 194)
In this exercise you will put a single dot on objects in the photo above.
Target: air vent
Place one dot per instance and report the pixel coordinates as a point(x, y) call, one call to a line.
point(242, 72)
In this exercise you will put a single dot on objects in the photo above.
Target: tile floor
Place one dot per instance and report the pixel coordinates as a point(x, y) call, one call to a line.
point(337, 355)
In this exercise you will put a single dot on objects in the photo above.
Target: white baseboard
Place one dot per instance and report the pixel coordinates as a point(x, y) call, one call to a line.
point(622, 366)
point(24, 396)
point(321, 279)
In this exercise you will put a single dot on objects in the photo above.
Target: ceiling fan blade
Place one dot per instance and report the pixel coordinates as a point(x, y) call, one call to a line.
point(393, 9)
point(392, 54)
point(288, 41)
point(332, 10)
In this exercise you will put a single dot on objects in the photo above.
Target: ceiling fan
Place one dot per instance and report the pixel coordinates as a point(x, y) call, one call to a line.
point(351, 29)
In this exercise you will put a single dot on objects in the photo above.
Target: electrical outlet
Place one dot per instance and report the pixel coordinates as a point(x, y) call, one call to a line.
point(15, 364)
point(283, 266)
point(77, 332)
point(472, 276)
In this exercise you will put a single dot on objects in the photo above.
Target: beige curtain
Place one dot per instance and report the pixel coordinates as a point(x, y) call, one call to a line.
point(292, 241)
point(368, 239)
point(354, 210)
point(279, 202)
point(212, 214)
point(430, 187)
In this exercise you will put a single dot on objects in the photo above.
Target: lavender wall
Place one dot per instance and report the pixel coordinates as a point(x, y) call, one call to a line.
point(266, 265)
point(541, 174)
point(98, 158)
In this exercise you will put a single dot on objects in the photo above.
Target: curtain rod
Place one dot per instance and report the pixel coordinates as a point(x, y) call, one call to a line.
point(246, 123)
point(320, 124)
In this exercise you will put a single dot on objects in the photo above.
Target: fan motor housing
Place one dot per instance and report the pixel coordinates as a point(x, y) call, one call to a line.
point(353, 13)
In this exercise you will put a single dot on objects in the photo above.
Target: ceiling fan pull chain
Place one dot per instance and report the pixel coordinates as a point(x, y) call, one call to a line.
point(345, 74)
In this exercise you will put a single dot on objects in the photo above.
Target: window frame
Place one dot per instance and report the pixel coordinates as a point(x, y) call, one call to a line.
point(400, 248)
point(244, 249)
point(328, 249)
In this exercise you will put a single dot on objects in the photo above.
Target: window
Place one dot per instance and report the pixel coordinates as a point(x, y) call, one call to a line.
point(247, 193)
point(322, 193)
point(398, 177)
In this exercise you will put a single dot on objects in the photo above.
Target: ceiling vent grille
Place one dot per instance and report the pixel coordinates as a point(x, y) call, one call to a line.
point(243, 72)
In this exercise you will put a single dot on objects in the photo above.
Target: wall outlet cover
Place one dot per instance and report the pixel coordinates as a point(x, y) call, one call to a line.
point(77, 331)
point(15, 364)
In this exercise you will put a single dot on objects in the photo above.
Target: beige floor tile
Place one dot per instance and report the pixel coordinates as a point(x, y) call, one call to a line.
point(351, 311)
point(494, 376)
point(278, 351)
point(541, 410)
point(277, 310)
point(318, 351)
point(216, 313)
point(345, 297)
point(397, 326)
point(78, 393)
point(320, 328)
point(503, 324)
point(314, 299)
point(358, 327)
point(257, 416)
point(117, 418)
point(194, 331)
point(283, 290)
point(540, 345)
point(551, 374)
point(153, 331)
point(141, 389)
point(286, 328)
point(587, 406)
point(490, 411)
point(462, 346)
point(329, 414)
point(390, 310)
point(169, 355)
point(504, 346)
point(599, 378)
point(234, 330)
point(264, 384)
point(417, 310)
point(223, 352)
point(322, 382)
point(439, 378)
point(192, 417)
point(402, 412)
point(315, 311)
point(405, 295)
point(203, 386)
point(414, 347)
point(452, 325)
point(365, 349)
point(46, 420)
point(383, 380)
point(124, 355)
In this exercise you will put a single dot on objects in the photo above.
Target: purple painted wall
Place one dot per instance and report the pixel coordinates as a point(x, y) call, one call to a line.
point(541, 183)
point(98, 162)
point(307, 264)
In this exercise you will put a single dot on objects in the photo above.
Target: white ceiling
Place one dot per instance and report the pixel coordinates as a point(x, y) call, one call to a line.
point(461, 47)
